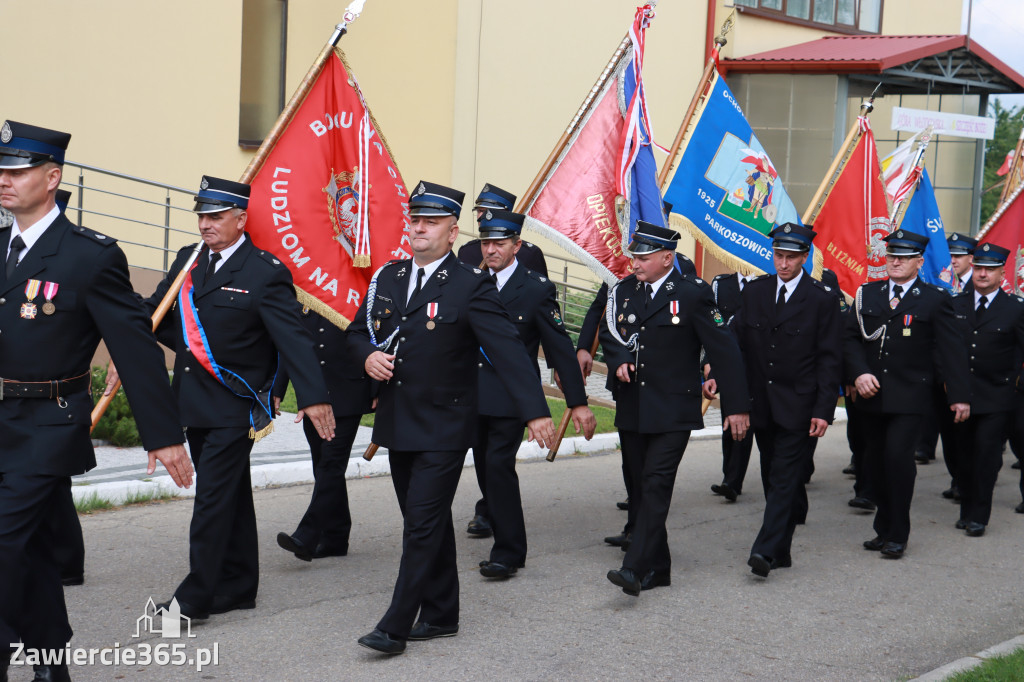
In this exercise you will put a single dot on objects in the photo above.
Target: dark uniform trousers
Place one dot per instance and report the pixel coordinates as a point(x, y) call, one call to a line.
point(735, 453)
point(659, 407)
point(531, 302)
point(921, 342)
point(592, 321)
point(793, 361)
point(938, 425)
point(69, 544)
point(996, 347)
point(856, 438)
point(1016, 433)
point(43, 441)
point(328, 520)
point(426, 415)
point(251, 323)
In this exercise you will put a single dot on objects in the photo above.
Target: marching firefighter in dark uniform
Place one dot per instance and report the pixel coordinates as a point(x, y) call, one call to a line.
point(419, 331)
point(790, 334)
point(993, 324)
point(63, 288)
point(654, 327)
point(901, 336)
point(530, 300)
point(471, 253)
point(235, 322)
point(324, 528)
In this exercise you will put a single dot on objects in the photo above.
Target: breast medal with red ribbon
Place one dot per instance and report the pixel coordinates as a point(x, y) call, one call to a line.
point(49, 291)
point(431, 313)
point(907, 319)
point(28, 308)
point(673, 307)
point(261, 413)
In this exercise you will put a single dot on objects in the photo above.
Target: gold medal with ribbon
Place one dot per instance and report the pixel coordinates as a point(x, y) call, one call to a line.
point(431, 313)
point(49, 291)
point(28, 308)
point(673, 307)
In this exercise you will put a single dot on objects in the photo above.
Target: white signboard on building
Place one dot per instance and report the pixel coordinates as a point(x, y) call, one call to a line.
point(954, 125)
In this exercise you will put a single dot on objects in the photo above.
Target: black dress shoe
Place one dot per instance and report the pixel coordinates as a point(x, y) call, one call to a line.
point(922, 458)
point(496, 569)
point(72, 580)
point(1015, 465)
point(225, 604)
point(960, 524)
point(479, 527)
point(617, 540)
point(862, 503)
point(726, 491)
point(186, 609)
point(627, 580)
point(850, 470)
point(624, 506)
point(655, 579)
point(1019, 508)
point(51, 673)
point(424, 631)
point(783, 562)
point(378, 640)
point(323, 551)
point(893, 550)
point(975, 529)
point(759, 565)
point(296, 547)
point(875, 545)
point(951, 493)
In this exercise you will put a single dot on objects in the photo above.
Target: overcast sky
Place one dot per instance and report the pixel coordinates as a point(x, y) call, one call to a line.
point(998, 26)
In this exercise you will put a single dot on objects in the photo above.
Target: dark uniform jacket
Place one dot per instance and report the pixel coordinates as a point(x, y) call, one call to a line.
point(727, 295)
point(995, 346)
point(249, 313)
point(921, 342)
point(664, 393)
point(431, 401)
point(94, 300)
point(529, 255)
point(349, 387)
point(530, 300)
point(794, 359)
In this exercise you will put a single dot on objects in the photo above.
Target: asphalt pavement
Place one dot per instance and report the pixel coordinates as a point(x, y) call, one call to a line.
point(840, 613)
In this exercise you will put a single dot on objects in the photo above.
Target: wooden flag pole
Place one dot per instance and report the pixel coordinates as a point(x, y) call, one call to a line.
point(681, 135)
point(351, 12)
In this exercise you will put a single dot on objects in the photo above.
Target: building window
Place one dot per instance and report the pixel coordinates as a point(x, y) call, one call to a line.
point(264, 42)
point(843, 16)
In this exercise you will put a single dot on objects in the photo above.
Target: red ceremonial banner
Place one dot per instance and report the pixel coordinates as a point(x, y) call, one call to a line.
point(1006, 229)
point(575, 206)
point(329, 201)
point(854, 219)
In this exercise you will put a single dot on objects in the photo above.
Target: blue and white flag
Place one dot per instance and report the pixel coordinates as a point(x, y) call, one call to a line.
point(724, 189)
point(922, 216)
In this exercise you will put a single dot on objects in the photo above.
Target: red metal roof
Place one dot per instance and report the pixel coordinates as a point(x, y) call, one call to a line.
point(863, 54)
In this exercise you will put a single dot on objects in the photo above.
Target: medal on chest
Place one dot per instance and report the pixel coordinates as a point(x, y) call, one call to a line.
point(29, 310)
point(49, 291)
point(907, 319)
point(673, 307)
point(431, 314)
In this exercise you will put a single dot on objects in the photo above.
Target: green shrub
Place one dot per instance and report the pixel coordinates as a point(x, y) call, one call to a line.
point(118, 424)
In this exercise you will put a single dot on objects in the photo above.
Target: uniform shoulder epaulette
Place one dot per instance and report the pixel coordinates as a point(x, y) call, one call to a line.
point(97, 237)
point(724, 275)
point(269, 257)
point(471, 268)
point(536, 276)
point(395, 262)
point(695, 280)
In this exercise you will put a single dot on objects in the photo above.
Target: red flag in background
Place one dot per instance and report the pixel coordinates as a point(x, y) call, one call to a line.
point(329, 201)
point(855, 217)
point(1006, 228)
point(1007, 163)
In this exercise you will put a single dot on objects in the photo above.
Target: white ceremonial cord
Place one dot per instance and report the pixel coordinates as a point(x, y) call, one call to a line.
point(371, 296)
point(632, 345)
point(858, 300)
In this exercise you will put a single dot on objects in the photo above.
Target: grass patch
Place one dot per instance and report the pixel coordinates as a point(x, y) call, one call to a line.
point(94, 503)
point(605, 416)
point(1009, 668)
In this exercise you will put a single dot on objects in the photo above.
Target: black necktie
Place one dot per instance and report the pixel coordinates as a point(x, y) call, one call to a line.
point(212, 267)
point(982, 306)
point(494, 278)
point(649, 295)
point(17, 244)
point(897, 296)
point(419, 283)
point(781, 302)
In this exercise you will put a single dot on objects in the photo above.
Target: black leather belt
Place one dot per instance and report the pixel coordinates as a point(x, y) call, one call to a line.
point(9, 388)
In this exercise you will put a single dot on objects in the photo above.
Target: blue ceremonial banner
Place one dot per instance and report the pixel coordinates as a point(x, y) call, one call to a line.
point(644, 196)
point(725, 190)
point(922, 216)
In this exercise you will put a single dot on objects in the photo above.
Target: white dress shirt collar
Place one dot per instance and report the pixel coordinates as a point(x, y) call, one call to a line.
point(428, 270)
point(31, 234)
point(226, 253)
point(790, 285)
point(504, 275)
